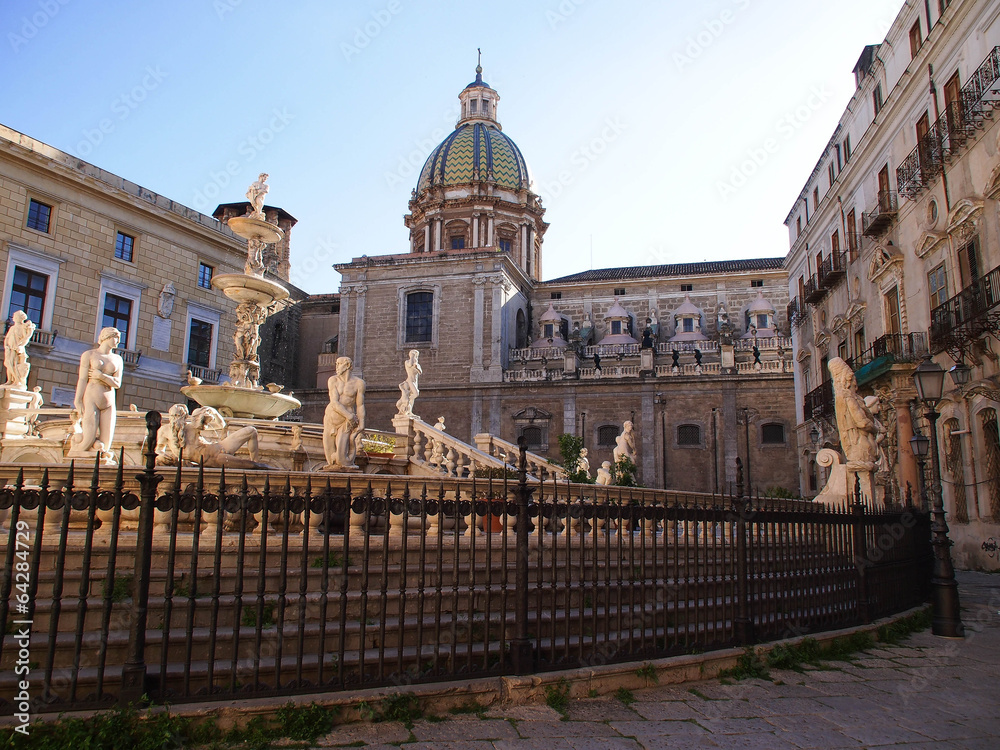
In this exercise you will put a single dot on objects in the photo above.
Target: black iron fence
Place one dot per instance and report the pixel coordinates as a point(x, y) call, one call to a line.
point(202, 589)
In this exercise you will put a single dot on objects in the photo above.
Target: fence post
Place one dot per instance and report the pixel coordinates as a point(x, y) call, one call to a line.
point(861, 560)
point(522, 652)
point(741, 507)
point(134, 671)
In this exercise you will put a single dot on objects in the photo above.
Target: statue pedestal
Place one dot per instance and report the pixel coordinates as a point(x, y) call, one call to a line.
point(646, 360)
point(570, 361)
point(14, 422)
point(727, 355)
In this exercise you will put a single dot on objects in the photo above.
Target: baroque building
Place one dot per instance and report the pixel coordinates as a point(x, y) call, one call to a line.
point(693, 354)
point(895, 254)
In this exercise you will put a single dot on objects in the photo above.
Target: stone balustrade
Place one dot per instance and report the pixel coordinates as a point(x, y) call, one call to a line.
point(508, 452)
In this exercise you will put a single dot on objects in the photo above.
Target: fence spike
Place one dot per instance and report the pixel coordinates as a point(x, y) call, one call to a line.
point(95, 478)
point(45, 478)
point(120, 474)
point(20, 478)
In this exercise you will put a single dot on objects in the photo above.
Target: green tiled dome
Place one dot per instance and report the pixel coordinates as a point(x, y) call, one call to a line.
point(475, 151)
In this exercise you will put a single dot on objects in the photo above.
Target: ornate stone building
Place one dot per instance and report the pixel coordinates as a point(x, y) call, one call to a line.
point(895, 254)
point(688, 352)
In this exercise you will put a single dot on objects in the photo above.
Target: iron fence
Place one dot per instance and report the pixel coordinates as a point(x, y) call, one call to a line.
point(208, 589)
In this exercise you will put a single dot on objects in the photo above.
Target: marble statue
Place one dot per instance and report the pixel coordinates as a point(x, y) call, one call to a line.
point(855, 422)
point(35, 403)
point(256, 193)
point(881, 433)
point(409, 388)
point(344, 420)
point(625, 443)
point(15, 350)
point(583, 463)
point(439, 425)
point(604, 474)
point(99, 379)
point(183, 434)
point(165, 304)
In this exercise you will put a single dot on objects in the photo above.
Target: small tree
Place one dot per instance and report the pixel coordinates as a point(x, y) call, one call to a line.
point(623, 472)
point(570, 447)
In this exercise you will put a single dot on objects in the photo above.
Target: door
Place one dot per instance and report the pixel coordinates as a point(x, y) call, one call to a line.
point(884, 200)
point(892, 312)
point(923, 144)
point(852, 234)
point(953, 104)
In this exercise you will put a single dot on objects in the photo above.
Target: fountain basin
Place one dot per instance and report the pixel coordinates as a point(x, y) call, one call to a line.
point(242, 288)
point(249, 403)
point(250, 228)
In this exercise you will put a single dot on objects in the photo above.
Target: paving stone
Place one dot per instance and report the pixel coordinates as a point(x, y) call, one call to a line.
point(816, 739)
point(676, 742)
point(673, 710)
point(658, 728)
point(601, 709)
point(538, 729)
point(524, 713)
point(383, 733)
point(874, 734)
point(464, 729)
point(737, 726)
point(733, 709)
point(598, 743)
point(455, 745)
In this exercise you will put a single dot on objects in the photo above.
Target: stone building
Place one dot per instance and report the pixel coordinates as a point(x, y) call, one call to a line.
point(681, 350)
point(83, 249)
point(895, 253)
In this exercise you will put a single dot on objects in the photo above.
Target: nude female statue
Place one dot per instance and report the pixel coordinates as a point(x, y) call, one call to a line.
point(99, 378)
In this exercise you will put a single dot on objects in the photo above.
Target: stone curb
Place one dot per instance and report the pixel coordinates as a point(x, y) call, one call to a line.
point(494, 691)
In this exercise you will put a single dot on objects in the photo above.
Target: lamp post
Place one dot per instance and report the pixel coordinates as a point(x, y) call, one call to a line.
point(929, 381)
point(920, 446)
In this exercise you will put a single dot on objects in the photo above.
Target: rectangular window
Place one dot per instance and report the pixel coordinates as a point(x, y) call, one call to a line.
point(124, 244)
point(877, 98)
point(832, 172)
point(852, 234)
point(555, 295)
point(892, 311)
point(118, 314)
point(859, 341)
point(39, 215)
point(28, 294)
point(968, 261)
point(616, 327)
point(458, 243)
point(816, 198)
point(761, 320)
point(835, 243)
point(837, 149)
point(620, 292)
point(419, 317)
point(847, 149)
point(842, 351)
point(915, 39)
point(687, 287)
point(505, 245)
point(200, 343)
point(756, 283)
point(937, 286)
point(205, 272)
point(688, 325)
point(798, 226)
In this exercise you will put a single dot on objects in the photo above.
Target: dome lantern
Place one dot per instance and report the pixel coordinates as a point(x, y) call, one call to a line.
point(479, 101)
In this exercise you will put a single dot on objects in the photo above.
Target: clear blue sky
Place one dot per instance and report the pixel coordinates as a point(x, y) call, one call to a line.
point(633, 116)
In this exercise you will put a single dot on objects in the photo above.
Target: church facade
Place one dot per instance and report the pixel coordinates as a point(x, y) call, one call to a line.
point(696, 355)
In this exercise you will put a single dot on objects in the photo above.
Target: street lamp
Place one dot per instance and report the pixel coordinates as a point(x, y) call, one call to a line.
point(961, 373)
point(921, 446)
point(929, 381)
point(814, 436)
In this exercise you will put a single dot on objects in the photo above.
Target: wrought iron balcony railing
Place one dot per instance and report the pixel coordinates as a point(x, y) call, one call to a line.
point(205, 374)
point(887, 350)
point(876, 221)
point(796, 312)
point(833, 269)
point(819, 401)
point(813, 290)
point(954, 129)
point(968, 315)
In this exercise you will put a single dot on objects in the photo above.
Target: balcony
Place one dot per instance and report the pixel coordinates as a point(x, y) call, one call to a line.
point(833, 269)
point(819, 402)
point(875, 222)
point(206, 375)
point(968, 315)
point(953, 131)
point(129, 357)
point(43, 339)
point(796, 313)
point(886, 351)
point(855, 245)
point(813, 290)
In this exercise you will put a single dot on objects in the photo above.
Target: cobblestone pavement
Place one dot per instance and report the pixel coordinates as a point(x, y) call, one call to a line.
point(925, 693)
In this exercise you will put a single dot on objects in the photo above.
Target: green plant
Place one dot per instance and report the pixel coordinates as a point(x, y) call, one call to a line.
point(469, 707)
point(777, 491)
point(121, 588)
point(648, 673)
point(899, 630)
point(333, 560)
point(592, 693)
point(494, 472)
point(570, 447)
point(623, 472)
point(748, 665)
point(304, 723)
point(557, 696)
point(402, 707)
point(625, 696)
point(250, 617)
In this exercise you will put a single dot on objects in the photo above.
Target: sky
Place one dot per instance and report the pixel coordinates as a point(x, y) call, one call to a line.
point(656, 132)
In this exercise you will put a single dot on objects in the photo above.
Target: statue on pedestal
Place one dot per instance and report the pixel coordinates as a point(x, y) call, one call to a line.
point(183, 433)
point(15, 353)
point(344, 420)
point(855, 422)
point(583, 464)
point(409, 388)
point(256, 193)
point(99, 379)
point(625, 444)
point(604, 474)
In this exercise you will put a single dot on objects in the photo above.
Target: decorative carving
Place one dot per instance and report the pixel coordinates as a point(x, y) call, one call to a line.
point(183, 435)
point(929, 243)
point(963, 221)
point(165, 304)
point(15, 350)
point(409, 389)
point(884, 257)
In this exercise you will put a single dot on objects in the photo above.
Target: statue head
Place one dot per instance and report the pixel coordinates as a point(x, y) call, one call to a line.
point(627, 427)
point(344, 364)
point(843, 375)
point(109, 333)
point(414, 355)
point(19, 317)
point(873, 404)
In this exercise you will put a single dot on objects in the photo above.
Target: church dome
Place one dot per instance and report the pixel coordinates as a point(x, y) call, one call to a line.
point(474, 152)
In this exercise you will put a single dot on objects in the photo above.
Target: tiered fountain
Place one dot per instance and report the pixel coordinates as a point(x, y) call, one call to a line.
point(255, 298)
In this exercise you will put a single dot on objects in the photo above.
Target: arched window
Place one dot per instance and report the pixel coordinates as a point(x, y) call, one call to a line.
point(520, 331)
point(688, 434)
point(772, 434)
point(419, 316)
point(991, 440)
point(607, 435)
point(532, 438)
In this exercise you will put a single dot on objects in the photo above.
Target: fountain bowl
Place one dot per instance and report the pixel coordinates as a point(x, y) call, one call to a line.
point(243, 288)
point(250, 228)
point(248, 403)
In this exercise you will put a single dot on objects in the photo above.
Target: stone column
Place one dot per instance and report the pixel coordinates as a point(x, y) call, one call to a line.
point(427, 237)
point(345, 308)
point(439, 244)
point(478, 318)
point(496, 368)
point(729, 433)
point(522, 251)
point(359, 329)
point(475, 230)
point(906, 465)
point(647, 459)
point(489, 231)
